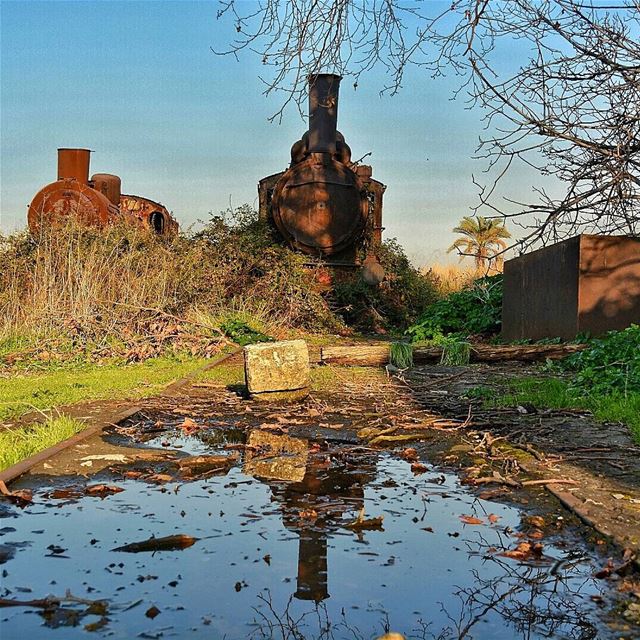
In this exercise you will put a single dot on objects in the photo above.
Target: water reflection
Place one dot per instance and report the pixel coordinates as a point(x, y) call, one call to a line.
point(315, 492)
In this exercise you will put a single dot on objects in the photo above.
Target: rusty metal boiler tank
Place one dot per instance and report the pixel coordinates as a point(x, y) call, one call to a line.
point(324, 204)
point(73, 196)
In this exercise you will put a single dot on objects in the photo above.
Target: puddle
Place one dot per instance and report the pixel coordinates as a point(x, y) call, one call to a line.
point(277, 553)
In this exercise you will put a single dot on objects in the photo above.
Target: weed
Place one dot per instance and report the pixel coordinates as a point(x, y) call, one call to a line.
point(242, 333)
point(401, 355)
point(455, 352)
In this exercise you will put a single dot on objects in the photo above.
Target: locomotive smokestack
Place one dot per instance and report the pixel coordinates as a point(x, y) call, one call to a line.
point(74, 163)
point(323, 112)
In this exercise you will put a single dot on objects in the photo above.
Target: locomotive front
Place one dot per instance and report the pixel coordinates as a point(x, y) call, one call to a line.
point(324, 205)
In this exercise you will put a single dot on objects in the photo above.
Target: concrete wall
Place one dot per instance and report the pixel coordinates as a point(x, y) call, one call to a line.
point(609, 286)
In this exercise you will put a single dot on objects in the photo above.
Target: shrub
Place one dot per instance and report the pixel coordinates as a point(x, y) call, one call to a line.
point(476, 309)
point(609, 364)
point(395, 303)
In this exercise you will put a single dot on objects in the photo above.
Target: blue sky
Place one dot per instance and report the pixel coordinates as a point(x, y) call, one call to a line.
point(136, 81)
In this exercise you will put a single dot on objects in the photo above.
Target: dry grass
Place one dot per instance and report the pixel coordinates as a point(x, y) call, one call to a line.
point(124, 291)
point(449, 278)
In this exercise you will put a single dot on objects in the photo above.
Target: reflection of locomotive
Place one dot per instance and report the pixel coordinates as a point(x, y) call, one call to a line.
point(324, 205)
point(314, 497)
point(94, 202)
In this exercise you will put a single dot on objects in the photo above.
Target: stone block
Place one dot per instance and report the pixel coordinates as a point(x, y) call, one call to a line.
point(274, 367)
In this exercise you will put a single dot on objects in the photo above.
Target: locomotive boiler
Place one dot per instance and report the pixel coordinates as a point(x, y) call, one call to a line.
point(325, 205)
point(94, 202)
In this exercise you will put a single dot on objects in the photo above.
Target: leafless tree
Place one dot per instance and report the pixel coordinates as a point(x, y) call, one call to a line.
point(558, 80)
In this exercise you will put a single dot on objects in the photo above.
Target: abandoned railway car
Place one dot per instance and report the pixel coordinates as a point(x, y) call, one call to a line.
point(96, 202)
point(325, 205)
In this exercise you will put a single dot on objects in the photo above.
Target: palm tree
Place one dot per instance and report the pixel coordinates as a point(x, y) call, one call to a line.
point(482, 238)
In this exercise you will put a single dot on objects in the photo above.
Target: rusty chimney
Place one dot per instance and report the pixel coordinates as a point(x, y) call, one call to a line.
point(74, 163)
point(323, 112)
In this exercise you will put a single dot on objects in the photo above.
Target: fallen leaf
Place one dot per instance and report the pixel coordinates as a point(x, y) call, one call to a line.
point(102, 490)
point(537, 522)
point(493, 518)
point(471, 520)
point(417, 468)
point(65, 494)
point(159, 477)
point(19, 498)
point(606, 571)
point(361, 523)
point(189, 426)
point(410, 455)
point(152, 612)
point(523, 551)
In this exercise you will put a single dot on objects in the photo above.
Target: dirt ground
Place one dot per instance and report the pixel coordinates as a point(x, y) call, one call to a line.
point(601, 458)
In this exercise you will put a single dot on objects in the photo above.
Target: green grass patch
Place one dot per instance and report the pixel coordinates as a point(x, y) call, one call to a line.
point(43, 391)
point(18, 444)
point(556, 393)
point(223, 374)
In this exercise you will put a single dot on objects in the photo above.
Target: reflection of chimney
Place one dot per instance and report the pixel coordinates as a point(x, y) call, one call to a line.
point(312, 566)
point(323, 112)
point(74, 163)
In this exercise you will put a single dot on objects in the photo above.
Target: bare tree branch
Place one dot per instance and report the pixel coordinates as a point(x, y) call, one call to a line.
point(567, 106)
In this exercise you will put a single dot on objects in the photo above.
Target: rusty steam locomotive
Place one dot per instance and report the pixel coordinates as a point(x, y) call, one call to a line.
point(325, 205)
point(96, 202)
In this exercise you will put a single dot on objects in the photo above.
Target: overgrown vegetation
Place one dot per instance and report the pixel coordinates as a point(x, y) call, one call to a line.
point(121, 292)
point(395, 304)
point(79, 295)
point(18, 444)
point(476, 309)
point(610, 364)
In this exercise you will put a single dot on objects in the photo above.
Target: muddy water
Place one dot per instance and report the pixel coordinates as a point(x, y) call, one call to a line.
point(275, 554)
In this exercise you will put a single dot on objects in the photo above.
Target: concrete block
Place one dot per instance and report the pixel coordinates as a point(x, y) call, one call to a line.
point(275, 367)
